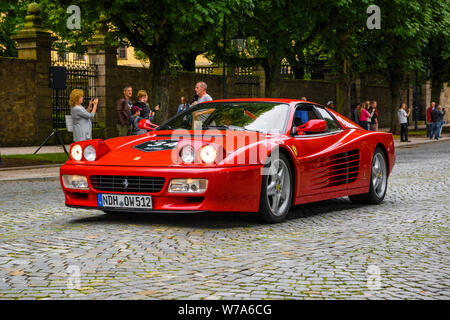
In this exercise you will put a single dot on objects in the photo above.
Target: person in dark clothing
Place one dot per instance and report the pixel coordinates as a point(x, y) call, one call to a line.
point(142, 104)
point(435, 116)
point(355, 113)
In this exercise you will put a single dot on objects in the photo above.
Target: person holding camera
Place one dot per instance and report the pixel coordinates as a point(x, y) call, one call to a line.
point(81, 117)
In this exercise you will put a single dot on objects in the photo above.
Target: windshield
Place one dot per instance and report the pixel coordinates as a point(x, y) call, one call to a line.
point(253, 116)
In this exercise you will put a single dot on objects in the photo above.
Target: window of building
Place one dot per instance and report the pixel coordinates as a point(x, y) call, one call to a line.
point(122, 52)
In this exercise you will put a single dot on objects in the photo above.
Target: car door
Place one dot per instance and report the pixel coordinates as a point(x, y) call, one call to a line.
point(321, 157)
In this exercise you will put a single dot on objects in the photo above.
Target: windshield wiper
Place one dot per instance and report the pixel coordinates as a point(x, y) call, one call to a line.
point(165, 127)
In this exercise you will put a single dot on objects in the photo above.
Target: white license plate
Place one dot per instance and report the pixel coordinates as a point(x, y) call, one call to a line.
point(124, 201)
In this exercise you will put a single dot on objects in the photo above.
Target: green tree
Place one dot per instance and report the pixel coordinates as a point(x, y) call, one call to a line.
point(281, 29)
point(343, 40)
point(167, 32)
point(163, 30)
point(399, 44)
point(437, 51)
point(12, 15)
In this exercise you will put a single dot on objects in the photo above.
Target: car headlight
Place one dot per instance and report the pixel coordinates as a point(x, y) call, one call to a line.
point(75, 182)
point(187, 154)
point(188, 185)
point(208, 154)
point(89, 153)
point(76, 153)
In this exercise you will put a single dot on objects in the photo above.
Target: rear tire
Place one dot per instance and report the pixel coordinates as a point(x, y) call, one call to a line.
point(378, 181)
point(276, 190)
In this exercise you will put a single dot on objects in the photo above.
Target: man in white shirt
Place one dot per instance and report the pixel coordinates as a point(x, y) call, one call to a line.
point(200, 90)
point(403, 120)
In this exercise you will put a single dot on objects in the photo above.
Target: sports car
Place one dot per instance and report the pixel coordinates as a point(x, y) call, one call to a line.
point(237, 155)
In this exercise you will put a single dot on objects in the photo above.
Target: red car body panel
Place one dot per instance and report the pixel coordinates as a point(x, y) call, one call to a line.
point(234, 183)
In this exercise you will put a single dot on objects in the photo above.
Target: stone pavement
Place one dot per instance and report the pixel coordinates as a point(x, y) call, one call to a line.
point(326, 250)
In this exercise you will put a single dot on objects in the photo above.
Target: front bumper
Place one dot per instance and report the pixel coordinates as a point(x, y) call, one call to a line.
point(229, 189)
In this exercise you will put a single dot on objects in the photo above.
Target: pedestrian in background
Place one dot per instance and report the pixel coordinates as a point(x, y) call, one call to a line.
point(183, 106)
point(81, 117)
point(142, 104)
point(443, 112)
point(135, 118)
point(200, 90)
point(437, 116)
point(429, 123)
point(364, 116)
point(373, 110)
point(124, 112)
point(403, 121)
point(355, 113)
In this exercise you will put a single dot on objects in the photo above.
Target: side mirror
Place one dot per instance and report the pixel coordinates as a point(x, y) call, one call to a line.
point(312, 126)
point(147, 125)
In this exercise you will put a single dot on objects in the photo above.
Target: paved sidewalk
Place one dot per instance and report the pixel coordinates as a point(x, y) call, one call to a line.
point(30, 150)
point(52, 171)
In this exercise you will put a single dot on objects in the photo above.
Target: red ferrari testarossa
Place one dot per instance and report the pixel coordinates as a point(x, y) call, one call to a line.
point(254, 155)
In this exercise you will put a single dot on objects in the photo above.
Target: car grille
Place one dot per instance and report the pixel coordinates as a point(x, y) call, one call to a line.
point(127, 183)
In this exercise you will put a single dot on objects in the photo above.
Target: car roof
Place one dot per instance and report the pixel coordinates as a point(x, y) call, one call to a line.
point(262, 100)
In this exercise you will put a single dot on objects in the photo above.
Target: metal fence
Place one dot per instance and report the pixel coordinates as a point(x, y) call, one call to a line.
point(80, 75)
point(315, 71)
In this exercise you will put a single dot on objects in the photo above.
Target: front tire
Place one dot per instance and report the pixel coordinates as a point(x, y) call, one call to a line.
point(378, 181)
point(276, 190)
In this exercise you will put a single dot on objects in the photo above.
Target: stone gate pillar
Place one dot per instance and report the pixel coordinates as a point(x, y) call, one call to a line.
point(34, 43)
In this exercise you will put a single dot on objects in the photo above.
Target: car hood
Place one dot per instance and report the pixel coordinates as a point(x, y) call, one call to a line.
point(161, 148)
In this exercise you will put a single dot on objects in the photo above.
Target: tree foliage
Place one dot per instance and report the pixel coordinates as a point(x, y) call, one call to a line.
point(414, 36)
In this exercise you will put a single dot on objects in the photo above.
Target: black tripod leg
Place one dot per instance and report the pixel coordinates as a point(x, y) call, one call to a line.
point(45, 141)
point(62, 142)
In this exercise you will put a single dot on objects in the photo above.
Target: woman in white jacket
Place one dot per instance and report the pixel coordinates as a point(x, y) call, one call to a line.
point(81, 117)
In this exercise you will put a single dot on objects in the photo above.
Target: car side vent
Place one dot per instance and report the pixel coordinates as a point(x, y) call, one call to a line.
point(336, 170)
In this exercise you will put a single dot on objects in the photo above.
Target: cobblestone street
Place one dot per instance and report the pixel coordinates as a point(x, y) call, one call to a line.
point(326, 250)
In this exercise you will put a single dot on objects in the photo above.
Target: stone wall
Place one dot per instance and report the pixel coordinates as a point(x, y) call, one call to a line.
point(19, 124)
point(383, 96)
